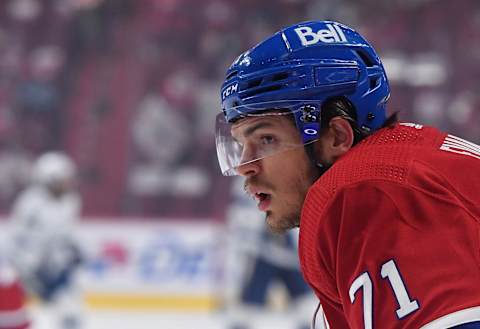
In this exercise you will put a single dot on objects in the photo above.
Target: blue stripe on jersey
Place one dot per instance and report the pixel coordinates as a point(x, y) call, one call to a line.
point(471, 325)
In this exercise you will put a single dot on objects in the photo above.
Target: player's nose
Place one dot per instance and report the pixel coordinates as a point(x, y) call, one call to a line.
point(249, 169)
point(249, 161)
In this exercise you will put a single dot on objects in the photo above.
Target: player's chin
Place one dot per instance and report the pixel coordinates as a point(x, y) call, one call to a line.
point(279, 224)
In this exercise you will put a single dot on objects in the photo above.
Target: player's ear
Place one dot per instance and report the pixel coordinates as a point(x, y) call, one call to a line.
point(337, 138)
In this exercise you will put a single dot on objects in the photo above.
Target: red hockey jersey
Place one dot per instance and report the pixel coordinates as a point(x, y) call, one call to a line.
point(390, 234)
point(13, 314)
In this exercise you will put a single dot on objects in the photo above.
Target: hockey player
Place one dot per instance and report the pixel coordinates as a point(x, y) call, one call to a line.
point(388, 212)
point(45, 250)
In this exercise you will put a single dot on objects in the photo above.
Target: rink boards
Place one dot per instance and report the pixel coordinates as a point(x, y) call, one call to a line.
point(147, 265)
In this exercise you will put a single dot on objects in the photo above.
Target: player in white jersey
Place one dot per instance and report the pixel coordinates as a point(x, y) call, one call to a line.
point(45, 250)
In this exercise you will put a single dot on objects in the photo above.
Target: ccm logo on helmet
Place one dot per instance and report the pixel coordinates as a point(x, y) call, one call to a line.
point(333, 33)
point(229, 90)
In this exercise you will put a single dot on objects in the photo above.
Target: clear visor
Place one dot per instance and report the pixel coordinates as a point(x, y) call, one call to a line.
point(255, 136)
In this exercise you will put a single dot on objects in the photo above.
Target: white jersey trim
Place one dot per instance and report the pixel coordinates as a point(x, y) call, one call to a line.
point(454, 319)
point(458, 145)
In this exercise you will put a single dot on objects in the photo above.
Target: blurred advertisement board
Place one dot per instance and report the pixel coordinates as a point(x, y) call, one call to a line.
point(138, 264)
point(152, 265)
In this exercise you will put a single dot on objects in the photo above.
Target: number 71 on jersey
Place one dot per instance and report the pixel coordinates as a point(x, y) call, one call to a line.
point(390, 272)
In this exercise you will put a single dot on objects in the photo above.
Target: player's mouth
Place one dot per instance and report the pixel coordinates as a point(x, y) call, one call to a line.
point(264, 200)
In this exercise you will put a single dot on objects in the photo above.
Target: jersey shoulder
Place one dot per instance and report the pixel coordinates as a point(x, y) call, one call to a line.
point(384, 156)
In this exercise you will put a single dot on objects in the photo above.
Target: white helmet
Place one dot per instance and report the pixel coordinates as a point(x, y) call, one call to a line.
point(53, 167)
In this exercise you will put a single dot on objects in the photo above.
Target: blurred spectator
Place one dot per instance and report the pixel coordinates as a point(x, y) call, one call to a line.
point(163, 137)
point(24, 10)
point(38, 99)
point(15, 167)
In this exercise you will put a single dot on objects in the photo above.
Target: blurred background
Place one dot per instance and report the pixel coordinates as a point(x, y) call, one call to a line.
point(129, 89)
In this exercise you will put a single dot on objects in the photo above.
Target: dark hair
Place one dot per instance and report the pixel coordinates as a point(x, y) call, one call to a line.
point(340, 106)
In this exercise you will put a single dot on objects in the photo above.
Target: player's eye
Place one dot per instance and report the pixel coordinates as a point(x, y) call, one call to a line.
point(267, 139)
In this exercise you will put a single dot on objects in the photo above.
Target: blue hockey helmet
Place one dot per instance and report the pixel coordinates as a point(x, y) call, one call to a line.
point(294, 72)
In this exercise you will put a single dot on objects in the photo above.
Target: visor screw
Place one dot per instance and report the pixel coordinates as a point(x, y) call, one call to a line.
point(365, 129)
point(370, 116)
point(309, 114)
point(309, 118)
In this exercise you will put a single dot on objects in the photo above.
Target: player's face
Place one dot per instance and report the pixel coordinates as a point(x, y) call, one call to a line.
point(61, 186)
point(278, 182)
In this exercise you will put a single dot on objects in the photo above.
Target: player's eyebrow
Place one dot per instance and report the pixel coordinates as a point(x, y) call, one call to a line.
point(250, 130)
point(259, 125)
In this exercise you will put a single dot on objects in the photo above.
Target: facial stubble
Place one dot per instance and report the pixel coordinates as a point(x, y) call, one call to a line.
point(291, 219)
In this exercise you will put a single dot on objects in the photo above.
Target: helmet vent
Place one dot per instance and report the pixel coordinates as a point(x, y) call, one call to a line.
point(231, 75)
point(374, 82)
point(254, 83)
point(267, 80)
point(369, 62)
point(262, 89)
point(271, 88)
point(280, 76)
